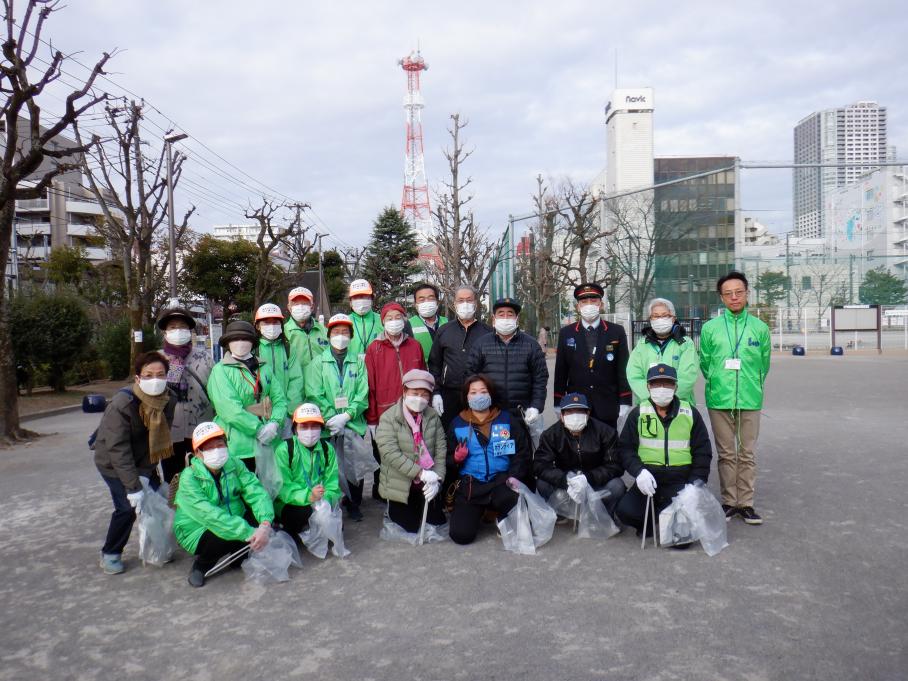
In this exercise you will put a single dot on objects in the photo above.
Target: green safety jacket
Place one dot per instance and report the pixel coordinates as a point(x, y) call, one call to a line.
point(203, 504)
point(304, 470)
point(325, 382)
point(307, 342)
point(680, 355)
point(421, 333)
point(366, 328)
point(735, 337)
point(284, 369)
point(232, 388)
point(659, 447)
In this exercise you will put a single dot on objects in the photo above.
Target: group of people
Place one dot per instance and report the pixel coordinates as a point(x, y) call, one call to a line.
point(448, 415)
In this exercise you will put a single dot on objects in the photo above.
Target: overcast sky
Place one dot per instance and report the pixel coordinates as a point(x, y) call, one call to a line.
point(307, 97)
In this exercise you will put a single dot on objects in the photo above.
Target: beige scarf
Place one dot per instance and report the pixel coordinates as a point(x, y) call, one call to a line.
point(151, 409)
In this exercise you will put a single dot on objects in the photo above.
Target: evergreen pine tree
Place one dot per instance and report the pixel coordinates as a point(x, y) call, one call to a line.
point(391, 257)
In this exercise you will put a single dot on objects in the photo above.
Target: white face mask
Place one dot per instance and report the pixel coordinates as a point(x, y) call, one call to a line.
point(301, 312)
point(393, 327)
point(271, 331)
point(416, 403)
point(153, 386)
point(575, 422)
point(661, 397)
point(505, 325)
point(178, 336)
point(361, 306)
point(590, 313)
point(466, 311)
point(339, 341)
point(240, 349)
point(215, 458)
point(662, 326)
point(308, 436)
point(428, 309)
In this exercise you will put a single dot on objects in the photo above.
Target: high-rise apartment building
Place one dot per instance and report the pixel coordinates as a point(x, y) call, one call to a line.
point(629, 133)
point(854, 136)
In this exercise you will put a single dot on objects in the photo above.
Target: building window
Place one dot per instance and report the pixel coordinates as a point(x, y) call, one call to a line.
point(805, 283)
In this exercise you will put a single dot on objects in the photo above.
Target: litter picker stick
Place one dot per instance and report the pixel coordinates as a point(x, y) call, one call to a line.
point(645, 523)
point(652, 516)
point(422, 527)
point(227, 560)
point(576, 516)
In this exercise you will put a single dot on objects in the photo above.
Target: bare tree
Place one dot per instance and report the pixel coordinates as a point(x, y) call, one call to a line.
point(583, 257)
point(269, 279)
point(829, 286)
point(354, 260)
point(131, 191)
point(27, 147)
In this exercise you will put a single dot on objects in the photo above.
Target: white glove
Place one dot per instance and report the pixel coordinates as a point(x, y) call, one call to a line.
point(430, 491)
point(337, 422)
point(260, 537)
point(578, 482)
point(267, 433)
point(438, 404)
point(531, 415)
point(646, 483)
point(429, 477)
point(135, 498)
point(623, 410)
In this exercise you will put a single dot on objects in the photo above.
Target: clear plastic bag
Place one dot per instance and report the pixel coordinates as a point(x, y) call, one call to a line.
point(391, 531)
point(593, 520)
point(358, 454)
point(157, 542)
point(272, 563)
point(694, 514)
point(326, 525)
point(266, 469)
point(529, 525)
point(536, 429)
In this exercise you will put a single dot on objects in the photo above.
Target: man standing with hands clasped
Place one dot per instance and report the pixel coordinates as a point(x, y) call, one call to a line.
point(734, 358)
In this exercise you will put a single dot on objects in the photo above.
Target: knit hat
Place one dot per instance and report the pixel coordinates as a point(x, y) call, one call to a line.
point(387, 307)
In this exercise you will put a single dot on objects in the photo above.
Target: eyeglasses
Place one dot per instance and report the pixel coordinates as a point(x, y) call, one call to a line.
point(740, 293)
point(667, 315)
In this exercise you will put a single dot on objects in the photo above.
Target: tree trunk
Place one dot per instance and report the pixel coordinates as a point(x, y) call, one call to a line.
point(9, 393)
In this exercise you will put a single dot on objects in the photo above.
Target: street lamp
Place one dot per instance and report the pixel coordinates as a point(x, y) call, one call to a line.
point(168, 141)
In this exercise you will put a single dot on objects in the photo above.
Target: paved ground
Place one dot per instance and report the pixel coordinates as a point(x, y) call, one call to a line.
point(817, 592)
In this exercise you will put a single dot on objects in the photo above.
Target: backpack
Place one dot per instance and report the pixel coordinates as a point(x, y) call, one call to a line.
point(93, 438)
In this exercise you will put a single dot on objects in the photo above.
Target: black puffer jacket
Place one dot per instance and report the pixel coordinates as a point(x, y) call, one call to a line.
point(451, 350)
point(517, 368)
point(595, 454)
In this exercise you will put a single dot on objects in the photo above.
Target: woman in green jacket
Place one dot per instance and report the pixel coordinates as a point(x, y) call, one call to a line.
point(281, 365)
point(412, 446)
point(664, 341)
point(246, 407)
point(336, 382)
point(221, 506)
point(309, 472)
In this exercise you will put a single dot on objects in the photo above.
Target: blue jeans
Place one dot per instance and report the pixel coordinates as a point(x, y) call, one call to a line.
point(123, 516)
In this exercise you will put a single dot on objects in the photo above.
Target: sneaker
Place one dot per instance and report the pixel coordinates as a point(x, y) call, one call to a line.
point(196, 577)
point(682, 547)
point(354, 514)
point(750, 516)
point(112, 564)
point(730, 511)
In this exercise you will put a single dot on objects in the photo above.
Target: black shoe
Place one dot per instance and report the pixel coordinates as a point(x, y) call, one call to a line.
point(730, 511)
point(750, 516)
point(196, 577)
point(682, 547)
point(375, 495)
point(354, 514)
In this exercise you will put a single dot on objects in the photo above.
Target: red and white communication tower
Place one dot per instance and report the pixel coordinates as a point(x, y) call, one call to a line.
point(415, 202)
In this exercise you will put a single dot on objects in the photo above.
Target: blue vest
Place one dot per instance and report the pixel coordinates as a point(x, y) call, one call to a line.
point(484, 462)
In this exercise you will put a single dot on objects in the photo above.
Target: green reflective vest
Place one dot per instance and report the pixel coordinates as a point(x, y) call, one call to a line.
point(659, 447)
point(422, 335)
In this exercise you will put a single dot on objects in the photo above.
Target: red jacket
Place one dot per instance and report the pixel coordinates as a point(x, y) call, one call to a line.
point(386, 366)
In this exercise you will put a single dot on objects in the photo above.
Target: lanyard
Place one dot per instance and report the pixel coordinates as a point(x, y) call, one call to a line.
point(313, 460)
point(256, 387)
point(734, 351)
point(363, 337)
point(340, 374)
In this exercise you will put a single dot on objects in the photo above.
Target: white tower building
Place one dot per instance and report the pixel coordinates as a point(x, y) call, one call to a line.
point(629, 134)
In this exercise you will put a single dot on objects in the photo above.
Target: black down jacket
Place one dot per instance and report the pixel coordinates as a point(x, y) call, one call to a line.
point(517, 368)
point(595, 454)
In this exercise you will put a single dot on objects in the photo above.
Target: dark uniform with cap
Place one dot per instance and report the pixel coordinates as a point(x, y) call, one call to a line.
point(592, 359)
point(517, 367)
point(593, 451)
point(674, 448)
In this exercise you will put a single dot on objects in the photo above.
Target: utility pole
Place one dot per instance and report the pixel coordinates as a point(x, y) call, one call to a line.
point(321, 274)
point(171, 247)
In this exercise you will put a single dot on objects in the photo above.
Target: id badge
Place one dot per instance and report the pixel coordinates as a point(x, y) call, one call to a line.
point(341, 402)
point(504, 448)
point(362, 356)
point(733, 364)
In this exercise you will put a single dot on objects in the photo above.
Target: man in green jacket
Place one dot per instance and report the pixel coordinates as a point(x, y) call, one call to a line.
point(366, 321)
point(221, 506)
point(664, 341)
point(280, 364)
point(734, 358)
point(426, 321)
point(308, 339)
point(247, 408)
